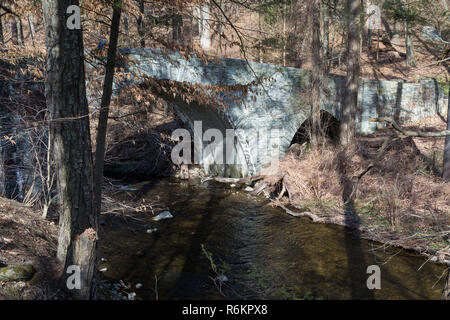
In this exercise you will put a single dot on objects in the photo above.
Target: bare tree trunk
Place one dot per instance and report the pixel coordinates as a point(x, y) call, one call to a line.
point(316, 71)
point(32, 30)
point(446, 174)
point(398, 26)
point(446, 290)
point(326, 31)
point(104, 106)
point(260, 26)
point(2, 39)
point(204, 26)
point(348, 112)
point(69, 123)
point(284, 35)
point(19, 31)
point(126, 26)
point(410, 59)
point(140, 23)
point(177, 26)
point(14, 33)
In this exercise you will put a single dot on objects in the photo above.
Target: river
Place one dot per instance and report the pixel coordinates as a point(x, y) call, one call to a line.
point(261, 252)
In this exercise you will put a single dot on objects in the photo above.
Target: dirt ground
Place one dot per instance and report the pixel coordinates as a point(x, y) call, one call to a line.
point(26, 238)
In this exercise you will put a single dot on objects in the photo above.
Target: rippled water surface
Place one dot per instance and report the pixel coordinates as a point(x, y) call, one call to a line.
point(263, 252)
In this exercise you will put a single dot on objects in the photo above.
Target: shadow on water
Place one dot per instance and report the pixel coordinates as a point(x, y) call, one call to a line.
point(264, 252)
point(357, 266)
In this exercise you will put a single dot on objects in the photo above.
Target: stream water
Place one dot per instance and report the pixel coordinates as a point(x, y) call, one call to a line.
point(262, 252)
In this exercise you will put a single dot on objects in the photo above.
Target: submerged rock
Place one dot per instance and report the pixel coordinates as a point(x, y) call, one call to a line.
point(222, 278)
point(163, 215)
point(17, 273)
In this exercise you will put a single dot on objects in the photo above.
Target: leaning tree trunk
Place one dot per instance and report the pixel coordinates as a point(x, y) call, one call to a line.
point(104, 106)
point(348, 112)
point(69, 124)
point(32, 30)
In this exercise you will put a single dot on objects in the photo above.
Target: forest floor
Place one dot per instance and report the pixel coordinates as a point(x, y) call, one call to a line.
point(27, 238)
point(401, 201)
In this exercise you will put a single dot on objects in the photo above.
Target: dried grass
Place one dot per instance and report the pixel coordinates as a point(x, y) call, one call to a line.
point(401, 200)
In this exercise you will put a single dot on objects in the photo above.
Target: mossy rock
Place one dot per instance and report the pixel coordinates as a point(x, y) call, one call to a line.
point(17, 273)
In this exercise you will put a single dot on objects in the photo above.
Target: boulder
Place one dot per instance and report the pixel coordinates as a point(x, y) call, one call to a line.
point(17, 273)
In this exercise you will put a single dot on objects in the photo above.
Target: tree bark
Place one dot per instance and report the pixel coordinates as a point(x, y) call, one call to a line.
point(69, 125)
point(32, 30)
point(14, 34)
point(104, 106)
point(140, 23)
point(204, 26)
point(446, 290)
point(2, 39)
point(316, 71)
point(348, 112)
point(326, 31)
point(19, 31)
point(398, 26)
point(446, 174)
point(126, 26)
point(410, 59)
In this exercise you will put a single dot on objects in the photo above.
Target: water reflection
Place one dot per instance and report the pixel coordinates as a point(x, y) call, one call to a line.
point(264, 252)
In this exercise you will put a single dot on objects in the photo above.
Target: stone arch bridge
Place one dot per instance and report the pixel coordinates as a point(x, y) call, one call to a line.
point(267, 118)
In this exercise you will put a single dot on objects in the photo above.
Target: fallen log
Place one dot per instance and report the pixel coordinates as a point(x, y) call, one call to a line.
point(235, 180)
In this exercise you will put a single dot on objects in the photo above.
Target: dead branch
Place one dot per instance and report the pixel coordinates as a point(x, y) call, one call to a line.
point(235, 180)
point(409, 133)
point(378, 156)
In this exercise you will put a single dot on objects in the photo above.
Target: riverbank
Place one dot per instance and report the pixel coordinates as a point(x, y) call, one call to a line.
point(401, 202)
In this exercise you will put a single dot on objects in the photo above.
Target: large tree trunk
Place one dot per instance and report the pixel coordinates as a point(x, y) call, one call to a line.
point(348, 112)
point(140, 23)
point(69, 115)
point(104, 106)
point(316, 71)
point(446, 174)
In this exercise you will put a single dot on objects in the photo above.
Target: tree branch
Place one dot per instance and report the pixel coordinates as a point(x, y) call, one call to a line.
point(409, 133)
